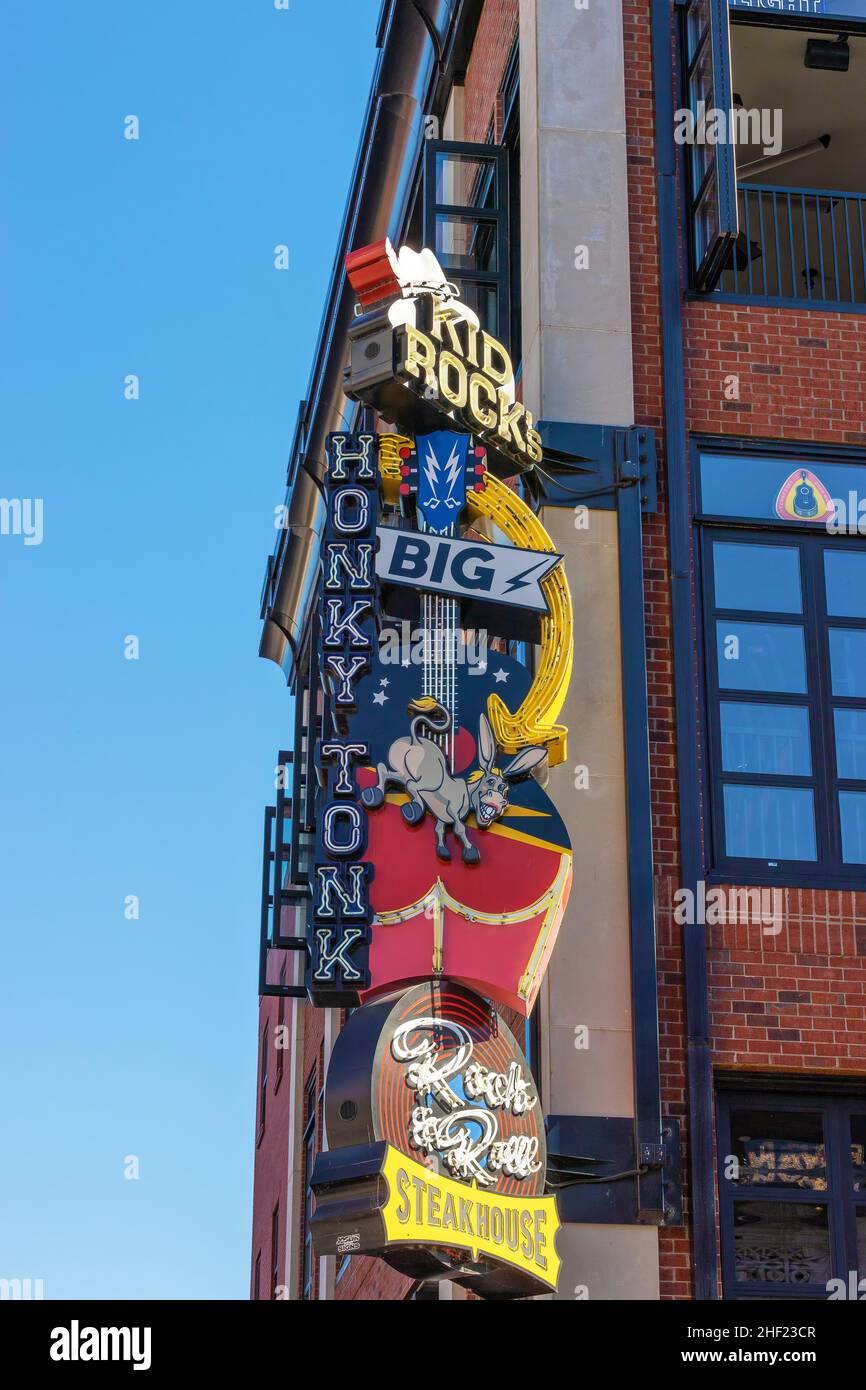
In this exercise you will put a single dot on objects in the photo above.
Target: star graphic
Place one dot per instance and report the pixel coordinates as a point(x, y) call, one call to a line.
point(384, 681)
point(379, 698)
point(500, 676)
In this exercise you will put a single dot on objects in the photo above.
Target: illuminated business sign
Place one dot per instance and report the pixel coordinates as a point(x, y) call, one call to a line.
point(441, 869)
point(438, 1121)
point(437, 850)
point(421, 357)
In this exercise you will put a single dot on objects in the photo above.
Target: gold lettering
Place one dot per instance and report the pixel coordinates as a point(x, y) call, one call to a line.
point(486, 416)
point(511, 1228)
point(419, 355)
point(533, 445)
point(471, 353)
point(509, 418)
point(449, 364)
point(495, 362)
point(446, 318)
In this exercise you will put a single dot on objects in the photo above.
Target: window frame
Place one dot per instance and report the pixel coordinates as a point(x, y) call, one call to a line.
point(827, 870)
point(309, 1146)
point(263, 1078)
point(704, 274)
point(498, 217)
point(841, 1199)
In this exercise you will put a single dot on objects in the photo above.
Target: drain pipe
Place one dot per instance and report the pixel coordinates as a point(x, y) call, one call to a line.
point(700, 1072)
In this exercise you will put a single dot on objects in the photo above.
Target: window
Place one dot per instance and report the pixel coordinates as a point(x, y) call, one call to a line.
point(792, 1193)
point(777, 201)
point(466, 224)
point(308, 1271)
point(711, 176)
point(279, 1040)
point(785, 657)
point(275, 1250)
point(257, 1277)
point(263, 1082)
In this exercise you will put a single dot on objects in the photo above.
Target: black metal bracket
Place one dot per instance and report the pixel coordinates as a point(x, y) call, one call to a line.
point(599, 1191)
point(588, 464)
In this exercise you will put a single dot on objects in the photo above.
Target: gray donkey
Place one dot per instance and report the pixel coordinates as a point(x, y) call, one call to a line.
point(418, 765)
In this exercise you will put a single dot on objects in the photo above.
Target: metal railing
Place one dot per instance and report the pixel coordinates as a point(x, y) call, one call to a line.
point(806, 245)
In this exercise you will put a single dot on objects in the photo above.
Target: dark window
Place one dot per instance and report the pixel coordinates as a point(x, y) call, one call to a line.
point(466, 224)
point(275, 1250)
point(785, 656)
point(308, 1271)
point(791, 1172)
point(257, 1277)
point(279, 1039)
point(263, 1082)
point(711, 173)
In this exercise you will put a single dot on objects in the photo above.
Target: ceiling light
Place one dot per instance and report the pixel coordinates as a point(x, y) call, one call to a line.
point(833, 55)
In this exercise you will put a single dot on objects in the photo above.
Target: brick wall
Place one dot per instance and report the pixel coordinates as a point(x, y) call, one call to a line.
point(272, 1148)
point(793, 1001)
point(497, 30)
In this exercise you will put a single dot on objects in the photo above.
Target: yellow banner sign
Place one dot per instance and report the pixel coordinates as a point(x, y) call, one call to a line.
point(424, 1208)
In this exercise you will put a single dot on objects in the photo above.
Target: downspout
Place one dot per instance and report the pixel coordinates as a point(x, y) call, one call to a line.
point(387, 156)
point(700, 1072)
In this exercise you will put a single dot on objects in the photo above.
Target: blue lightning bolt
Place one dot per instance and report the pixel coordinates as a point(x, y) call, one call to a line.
point(520, 581)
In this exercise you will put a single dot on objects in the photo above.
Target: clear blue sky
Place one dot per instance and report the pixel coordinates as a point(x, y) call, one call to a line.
point(148, 777)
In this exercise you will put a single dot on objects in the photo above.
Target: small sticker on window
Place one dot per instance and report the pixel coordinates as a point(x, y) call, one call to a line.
point(803, 497)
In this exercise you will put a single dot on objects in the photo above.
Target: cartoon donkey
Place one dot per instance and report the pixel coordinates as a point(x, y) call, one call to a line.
point(418, 765)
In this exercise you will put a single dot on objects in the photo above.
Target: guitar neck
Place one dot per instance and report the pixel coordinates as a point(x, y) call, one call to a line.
point(443, 636)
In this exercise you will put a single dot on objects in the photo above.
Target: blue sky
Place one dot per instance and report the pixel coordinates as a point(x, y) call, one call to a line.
point(151, 257)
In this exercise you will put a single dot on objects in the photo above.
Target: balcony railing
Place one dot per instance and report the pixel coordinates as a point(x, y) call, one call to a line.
point(800, 245)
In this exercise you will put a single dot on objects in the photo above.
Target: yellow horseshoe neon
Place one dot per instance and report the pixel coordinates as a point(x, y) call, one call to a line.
point(534, 722)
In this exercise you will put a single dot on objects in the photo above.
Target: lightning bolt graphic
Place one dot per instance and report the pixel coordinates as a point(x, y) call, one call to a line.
point(430, 472)
point(521, 581)
point(453, 467)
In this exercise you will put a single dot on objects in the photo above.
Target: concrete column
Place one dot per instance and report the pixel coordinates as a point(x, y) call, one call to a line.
point(577, 365)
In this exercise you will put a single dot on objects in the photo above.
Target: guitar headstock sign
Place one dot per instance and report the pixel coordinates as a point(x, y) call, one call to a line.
point(442, 869)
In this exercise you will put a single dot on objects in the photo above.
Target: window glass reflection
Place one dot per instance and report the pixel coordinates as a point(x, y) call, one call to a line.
point(779, 1148)
point(757, 578)
point(845, 581)
point(769, 822)
point(852, 809)
point(850, 742)
point(761, 656)
point(848, 661)
point(465, 180)
point(781, 1243)
point(766, 738)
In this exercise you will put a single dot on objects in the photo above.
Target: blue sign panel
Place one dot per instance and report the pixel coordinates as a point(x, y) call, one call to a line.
point(853, 9)
point(782, 6)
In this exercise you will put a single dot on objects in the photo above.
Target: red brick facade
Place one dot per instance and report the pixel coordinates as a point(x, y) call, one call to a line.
point(793, 1002)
